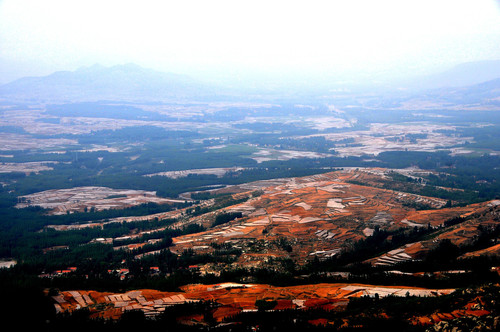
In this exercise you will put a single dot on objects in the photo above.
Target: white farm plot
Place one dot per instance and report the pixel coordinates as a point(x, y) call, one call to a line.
point(61, 201)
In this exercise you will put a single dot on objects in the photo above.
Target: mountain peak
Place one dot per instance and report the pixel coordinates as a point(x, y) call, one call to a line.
point(461, 75)
point(125, 82)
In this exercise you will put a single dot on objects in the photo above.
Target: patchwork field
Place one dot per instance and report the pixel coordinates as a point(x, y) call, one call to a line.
point(297, 218)
point(219, 172)
point(319, 215)
point(383, 137)
point(61, 201)
point(232, 298)
point(29, 167)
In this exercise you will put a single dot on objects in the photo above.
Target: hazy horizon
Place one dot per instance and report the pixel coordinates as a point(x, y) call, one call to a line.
point(232, 41)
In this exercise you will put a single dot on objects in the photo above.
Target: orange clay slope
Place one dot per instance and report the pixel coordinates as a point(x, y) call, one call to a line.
point(484, 216)
point(317, 216)
point(231, 298)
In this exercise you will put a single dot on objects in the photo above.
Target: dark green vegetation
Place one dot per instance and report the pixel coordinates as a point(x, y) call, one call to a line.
point(96, 110)
point(226, 217)
point(21, 237)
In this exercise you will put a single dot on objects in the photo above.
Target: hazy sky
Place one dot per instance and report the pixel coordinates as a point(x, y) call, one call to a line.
point(213, 37)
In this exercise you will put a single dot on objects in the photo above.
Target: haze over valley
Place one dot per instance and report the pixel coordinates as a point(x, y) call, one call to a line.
point(331, 167)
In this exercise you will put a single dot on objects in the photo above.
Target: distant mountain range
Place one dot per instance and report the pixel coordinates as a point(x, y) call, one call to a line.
point(485, 95)
point(477, 93)
point(468, 82)
point(465, 74)
point(128, 82)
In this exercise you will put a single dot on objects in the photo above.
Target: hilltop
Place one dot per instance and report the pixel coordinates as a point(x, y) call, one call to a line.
point(128, 82)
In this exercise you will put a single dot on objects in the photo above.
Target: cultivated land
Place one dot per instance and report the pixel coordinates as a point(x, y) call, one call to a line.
point(9, 142)
point(302, 218)
point(30, 167)
point(383, 137)
point(315, 216)
point(219, 172)
point(416, 133)
point(211, 211)
point(234, 298)
point(62, 201)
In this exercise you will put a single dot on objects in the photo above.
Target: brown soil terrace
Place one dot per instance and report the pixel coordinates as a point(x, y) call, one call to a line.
point(320, 214)
point(233, 298)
